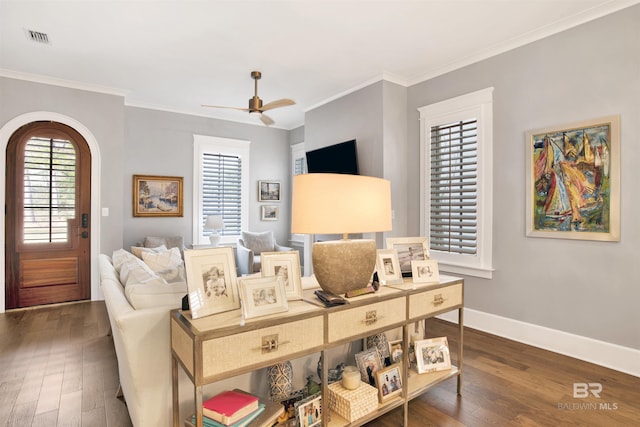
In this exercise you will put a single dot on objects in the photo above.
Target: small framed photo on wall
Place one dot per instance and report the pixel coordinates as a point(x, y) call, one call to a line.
point(269, 191)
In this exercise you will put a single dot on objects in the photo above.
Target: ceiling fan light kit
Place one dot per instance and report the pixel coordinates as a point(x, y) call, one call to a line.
point(256, 108)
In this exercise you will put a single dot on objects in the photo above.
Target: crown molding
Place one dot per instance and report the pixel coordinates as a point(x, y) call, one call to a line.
point(36, 78)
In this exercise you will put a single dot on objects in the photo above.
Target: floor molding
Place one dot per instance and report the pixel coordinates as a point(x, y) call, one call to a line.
point(613, 356)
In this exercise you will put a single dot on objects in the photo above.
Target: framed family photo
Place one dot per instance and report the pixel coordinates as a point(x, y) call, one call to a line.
point(432, 355)
point(157, 196)
point(573, 181)
point(369, 362)
point(262, 296)
point(286, 265)
point(269, 191)
point(211, 281)
point(309, 411)
point(425, 271)
point(409, 249)
point(389, 382)
point(388, 266)
point(396, 351)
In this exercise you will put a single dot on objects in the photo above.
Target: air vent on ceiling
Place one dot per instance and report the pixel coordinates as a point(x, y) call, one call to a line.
point(37, 36)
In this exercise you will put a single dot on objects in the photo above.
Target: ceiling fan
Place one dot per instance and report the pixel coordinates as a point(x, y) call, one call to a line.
point(255, 103)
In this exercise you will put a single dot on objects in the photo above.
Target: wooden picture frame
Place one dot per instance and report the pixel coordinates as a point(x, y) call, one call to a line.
point(369, 362)
point(157, 196)
point(425, 271)
point(269, 213)
point(409, 249)
point(388, 266)
point(389, 382)
point(573, 181)
point(309, 411)
point(211, 281)
point(287, 265)
point(262, 296)
point(269, 191)
point(432, 355)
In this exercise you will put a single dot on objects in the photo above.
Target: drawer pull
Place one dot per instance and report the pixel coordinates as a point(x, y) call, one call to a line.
point(371, 317)
point(438, 300)
point(271, 343)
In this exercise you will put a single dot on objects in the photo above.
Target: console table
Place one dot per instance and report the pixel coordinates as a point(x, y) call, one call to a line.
point(216, 347)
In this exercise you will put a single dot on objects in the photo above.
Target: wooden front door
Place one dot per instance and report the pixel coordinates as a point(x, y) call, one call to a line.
point(48, 198)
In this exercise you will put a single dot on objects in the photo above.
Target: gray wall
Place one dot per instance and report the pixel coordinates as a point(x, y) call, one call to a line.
point(161, 143)
point(581, 287)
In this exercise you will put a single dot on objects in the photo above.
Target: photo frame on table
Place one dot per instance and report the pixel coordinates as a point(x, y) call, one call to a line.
point(425, 271)
point(389, 382)
point(262, 296)
point(388, 266)
point(432, 355)
point(287, 265)
point(211, 281)
point(396, 350)
point(573, 180)
point(155, 195)
point(269, 191)
point(269, 213)
point(309, 410)
point(369, 362)
point(409, 249)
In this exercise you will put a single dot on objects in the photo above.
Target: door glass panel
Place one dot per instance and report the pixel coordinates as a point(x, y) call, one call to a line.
point(49, 190)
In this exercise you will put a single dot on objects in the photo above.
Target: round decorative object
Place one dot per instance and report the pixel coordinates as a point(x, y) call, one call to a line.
point(280, 380)
point(380, 342)
point(351, 378)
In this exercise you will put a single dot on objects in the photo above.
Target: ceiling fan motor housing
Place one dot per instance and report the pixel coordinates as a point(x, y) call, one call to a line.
point(255, 104)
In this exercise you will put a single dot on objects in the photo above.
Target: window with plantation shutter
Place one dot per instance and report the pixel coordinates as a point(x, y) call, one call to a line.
point(220, 186)
point(456, 182)
point(298, 167)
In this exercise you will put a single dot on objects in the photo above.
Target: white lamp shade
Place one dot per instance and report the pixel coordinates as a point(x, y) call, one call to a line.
point(214, 222)
point(340, 204)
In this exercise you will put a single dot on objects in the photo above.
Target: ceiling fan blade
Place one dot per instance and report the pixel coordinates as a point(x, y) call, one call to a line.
point(229, 108)
point(277, 104)
point(266, 120)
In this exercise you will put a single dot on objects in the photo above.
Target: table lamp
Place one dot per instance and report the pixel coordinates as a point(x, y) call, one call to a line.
point(214, 223)
point(341, 204)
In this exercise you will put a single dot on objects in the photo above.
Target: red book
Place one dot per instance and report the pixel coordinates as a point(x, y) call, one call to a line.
point(229, 406)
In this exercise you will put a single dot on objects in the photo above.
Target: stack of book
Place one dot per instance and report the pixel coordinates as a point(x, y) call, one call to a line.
point(236, 408)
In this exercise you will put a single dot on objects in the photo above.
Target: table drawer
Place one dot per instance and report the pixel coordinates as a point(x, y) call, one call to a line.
point(244, 350)
point(435, 300)
point(351, 322)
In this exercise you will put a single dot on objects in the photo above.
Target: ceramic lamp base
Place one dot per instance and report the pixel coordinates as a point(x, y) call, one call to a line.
point(344, 265)
point(214, 238)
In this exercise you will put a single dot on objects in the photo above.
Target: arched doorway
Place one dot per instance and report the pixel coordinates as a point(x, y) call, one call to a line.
point(47, 223)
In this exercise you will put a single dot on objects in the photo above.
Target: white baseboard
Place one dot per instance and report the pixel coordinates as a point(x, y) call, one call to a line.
point(617, 357)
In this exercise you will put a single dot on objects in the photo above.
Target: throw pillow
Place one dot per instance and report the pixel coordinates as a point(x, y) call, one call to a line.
point(136, 271)
point(138, 250)
point(259, 242)
point(167, 264)
point(120, 257)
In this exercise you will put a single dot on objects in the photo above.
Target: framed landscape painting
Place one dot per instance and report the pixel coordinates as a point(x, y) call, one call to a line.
point(157, 195)
point(573, 181)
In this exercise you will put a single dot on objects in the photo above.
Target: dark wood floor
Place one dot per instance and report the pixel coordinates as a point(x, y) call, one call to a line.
point(58, 368)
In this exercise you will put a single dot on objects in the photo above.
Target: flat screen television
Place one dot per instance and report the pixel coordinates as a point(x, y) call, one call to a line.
point(338, 158)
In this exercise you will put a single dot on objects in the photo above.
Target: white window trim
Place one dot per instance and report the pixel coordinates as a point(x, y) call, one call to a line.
point(480, 105)
point(297, 152)
point(212, 144)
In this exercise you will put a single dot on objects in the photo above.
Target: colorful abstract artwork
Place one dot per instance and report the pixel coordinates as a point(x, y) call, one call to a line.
point(573, 179)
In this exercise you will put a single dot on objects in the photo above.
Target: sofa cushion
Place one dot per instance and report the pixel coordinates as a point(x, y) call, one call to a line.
point(155, 295)
point(138, 250)
point(259, 242)
point(167, 264)
point(136, 271)
point(121, 257)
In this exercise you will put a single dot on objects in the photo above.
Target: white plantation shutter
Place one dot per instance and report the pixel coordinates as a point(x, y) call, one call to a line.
point(222, 190)
point(456, 141)
point(454, 187)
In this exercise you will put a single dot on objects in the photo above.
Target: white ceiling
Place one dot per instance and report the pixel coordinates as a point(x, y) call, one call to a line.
point(177, 55)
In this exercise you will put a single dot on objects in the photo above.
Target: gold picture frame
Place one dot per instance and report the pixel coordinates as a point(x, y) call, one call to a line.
point(389, 382)
point(157, 196)
point(211, 281)
point(573, 181)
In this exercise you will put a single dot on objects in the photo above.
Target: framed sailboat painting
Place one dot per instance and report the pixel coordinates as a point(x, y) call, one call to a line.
point(573, 181)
